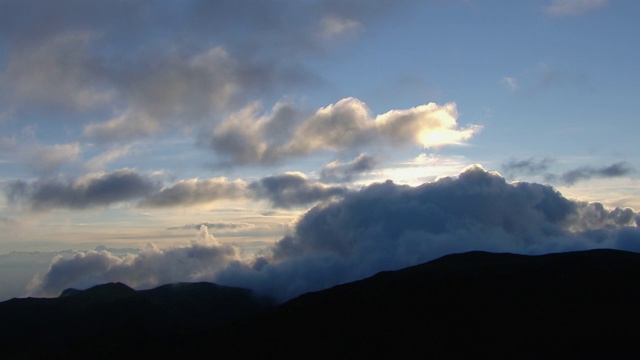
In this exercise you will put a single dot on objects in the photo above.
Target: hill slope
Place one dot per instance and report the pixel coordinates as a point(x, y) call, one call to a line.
point(465, 305)
point(469, 305)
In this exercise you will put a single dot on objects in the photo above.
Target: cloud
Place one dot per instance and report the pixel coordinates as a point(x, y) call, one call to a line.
point(46, 159)
point(336, 171)
point(573, 7)
point(511, 83)
point(246, 138)
point(92, 190)
point(137, 79)
point(293, 189)
point(333, 26)
point(527, 167)
point(151, 267)
point(588, 172)
point(284, 191)
point(383, 226)
point(57, 74)
point(224, 225)
point(197, 192)
point(100, 161)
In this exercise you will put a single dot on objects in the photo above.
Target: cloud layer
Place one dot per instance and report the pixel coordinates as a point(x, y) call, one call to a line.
point(97, 190)
point(381, 227)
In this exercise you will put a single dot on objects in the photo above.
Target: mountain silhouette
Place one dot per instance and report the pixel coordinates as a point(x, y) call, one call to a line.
point(474, 304)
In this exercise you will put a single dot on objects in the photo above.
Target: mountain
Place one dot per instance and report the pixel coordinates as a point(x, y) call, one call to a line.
point(113, 318)
point(473, 304)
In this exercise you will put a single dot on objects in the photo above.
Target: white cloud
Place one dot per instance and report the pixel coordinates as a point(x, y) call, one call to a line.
point(573, 7)
point(511, 83)
point(333, 26)
point(347, 125)
point(100, 161)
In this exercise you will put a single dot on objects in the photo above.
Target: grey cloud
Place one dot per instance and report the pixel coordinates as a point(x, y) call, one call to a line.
point(588, 172)
point(150, 267)
point(284, 191)
point(196, 192)
point(346, 126)
point(383, 226)
point(527, 167)
point(293, 189)
point(345, 172)
point(93, 190)
point(387, 226)
point(46, 159)
point(60, 57)
point(58, 75)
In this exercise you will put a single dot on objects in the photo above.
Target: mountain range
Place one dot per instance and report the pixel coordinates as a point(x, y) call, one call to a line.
point(474, 304)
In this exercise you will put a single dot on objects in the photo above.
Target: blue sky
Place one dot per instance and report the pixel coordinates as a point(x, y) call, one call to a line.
point(126, 126)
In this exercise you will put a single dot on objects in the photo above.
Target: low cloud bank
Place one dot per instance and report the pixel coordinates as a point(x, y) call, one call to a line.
point(384, 226)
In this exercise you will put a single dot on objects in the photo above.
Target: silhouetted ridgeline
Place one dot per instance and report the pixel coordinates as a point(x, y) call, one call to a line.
point(465, 305)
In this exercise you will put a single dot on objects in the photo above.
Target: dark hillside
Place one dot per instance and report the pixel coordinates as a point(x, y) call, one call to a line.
point(474, 305)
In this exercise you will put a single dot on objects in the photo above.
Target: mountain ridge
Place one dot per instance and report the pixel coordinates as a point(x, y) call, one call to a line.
point(474, 304)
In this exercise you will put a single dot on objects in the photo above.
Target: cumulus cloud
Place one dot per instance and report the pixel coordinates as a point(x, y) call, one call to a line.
point(337, 171)
point(245, 137)
point(151, 267)
point(91, 190)
point(588, 172)
point(293, 189)
point(573, 7)
point(383, 226)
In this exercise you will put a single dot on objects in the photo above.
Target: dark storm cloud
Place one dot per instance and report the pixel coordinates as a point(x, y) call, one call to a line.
point(526, 167)
point(293, 189)
point(588, 172)
point(94, 190)
point(345, 172)
point(387, 226)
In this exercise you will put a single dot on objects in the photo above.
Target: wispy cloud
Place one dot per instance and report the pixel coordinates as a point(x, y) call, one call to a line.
point(510, 82)
point(573, 7)
point(530, 166)
point(588, 172)
point(337, 171)
point(335, 26)
point(223, 225)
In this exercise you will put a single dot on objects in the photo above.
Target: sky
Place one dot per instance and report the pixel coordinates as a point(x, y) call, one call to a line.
point(288, 146)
